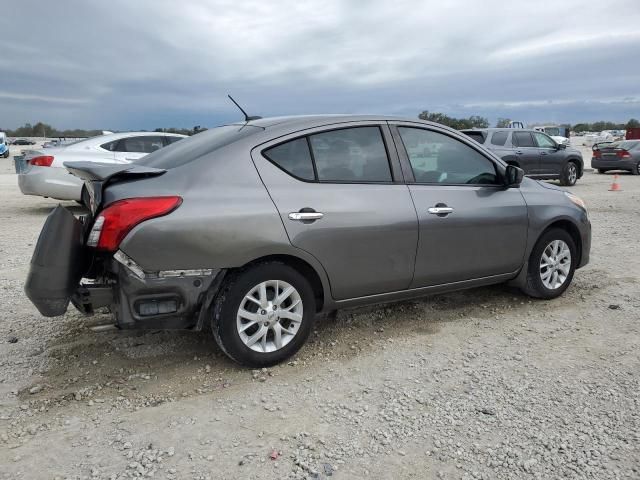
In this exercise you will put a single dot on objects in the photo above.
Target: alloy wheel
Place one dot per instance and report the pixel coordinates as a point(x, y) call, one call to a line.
point(269, 316)
point(572, 173)
point(555, 264)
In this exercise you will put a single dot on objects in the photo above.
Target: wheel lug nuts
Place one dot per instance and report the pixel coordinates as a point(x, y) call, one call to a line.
point(275, 307)
point(263, 312)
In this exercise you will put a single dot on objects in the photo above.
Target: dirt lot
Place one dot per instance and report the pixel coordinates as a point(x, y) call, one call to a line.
point(479, 384)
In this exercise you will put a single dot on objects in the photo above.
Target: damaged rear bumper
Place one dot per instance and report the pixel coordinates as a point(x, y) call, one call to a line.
point(150, 300)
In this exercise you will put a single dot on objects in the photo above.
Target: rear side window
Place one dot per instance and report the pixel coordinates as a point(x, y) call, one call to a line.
point(523, 139)
point(351, 155)
point(293, 157)
point(499, 138)
point(346, 155)
point(139, 144)
point(171, 140)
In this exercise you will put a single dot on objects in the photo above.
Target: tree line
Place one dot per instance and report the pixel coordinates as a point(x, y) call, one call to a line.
point(41, 129)
point(476, 121)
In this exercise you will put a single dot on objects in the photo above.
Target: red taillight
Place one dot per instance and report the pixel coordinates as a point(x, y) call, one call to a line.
point(42, 161)
point(117, 220)
point(597, 154)
point(623, 154)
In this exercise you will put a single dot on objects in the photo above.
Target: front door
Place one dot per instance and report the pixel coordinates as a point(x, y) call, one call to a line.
point(340, 198)
point(526, 152)
point(471, 226)
point(551, 157)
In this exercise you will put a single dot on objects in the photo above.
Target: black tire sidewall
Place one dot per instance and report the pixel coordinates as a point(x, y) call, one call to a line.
point(534, 280)
point(227, 304)
point(636, 170)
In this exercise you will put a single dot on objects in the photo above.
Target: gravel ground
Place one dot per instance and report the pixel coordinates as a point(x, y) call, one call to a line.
point(479, 384)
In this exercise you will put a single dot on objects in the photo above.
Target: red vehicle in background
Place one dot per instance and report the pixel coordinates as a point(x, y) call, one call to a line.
point(633, 133)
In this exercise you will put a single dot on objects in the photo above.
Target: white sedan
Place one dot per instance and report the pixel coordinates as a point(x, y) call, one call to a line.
point(46, 176)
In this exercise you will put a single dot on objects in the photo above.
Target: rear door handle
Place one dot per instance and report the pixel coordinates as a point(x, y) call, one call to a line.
point(305, 216)
point(440, 210)
point(544, 153)
point(518, 152)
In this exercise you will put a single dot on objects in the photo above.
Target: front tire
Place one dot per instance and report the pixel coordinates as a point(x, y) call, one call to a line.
point(551, 265)
point(6, 154)
point(569, 174)
point(264, 314)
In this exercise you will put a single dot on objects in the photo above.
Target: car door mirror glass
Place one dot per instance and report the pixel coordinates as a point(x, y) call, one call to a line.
point(513, 176)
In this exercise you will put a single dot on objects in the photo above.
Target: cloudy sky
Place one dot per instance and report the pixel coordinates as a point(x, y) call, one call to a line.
point(141, 64)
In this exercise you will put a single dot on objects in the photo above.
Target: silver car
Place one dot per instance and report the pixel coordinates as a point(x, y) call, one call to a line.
point(257, 228)
point(46, 176)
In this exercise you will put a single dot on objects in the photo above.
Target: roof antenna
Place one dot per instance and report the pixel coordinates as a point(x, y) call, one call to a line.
point(247, 118)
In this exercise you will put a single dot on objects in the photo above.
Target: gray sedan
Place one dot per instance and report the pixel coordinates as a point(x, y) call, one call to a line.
point(624, 155)
point(257, 228)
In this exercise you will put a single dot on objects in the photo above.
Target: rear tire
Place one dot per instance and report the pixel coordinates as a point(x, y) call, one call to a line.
point(636, 169)
point(602, 170)
point(237, 308)
point(538, 277)
point(569, 175)
point(6, 154)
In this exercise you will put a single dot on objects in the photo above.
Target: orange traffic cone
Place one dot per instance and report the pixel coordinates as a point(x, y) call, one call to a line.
point(615, 186)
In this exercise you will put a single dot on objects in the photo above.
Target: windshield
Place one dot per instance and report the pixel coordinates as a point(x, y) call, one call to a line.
point(189, 149)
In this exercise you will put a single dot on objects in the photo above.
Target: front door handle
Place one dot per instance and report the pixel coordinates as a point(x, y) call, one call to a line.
point(440, 210)
point(518, 152)
point(544, 153)
point(305, 216)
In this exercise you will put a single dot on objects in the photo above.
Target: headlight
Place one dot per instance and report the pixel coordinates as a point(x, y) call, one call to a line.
point(576, 200)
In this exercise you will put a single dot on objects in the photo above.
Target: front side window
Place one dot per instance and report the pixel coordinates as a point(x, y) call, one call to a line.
point(438, 158)
point(523, 139)
point(351, 155)
point(544, 141)
point(293, 157)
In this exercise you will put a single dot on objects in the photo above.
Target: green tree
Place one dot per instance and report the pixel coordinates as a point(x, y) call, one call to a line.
point(474, 121)
point(633, 123)
point(503, 122)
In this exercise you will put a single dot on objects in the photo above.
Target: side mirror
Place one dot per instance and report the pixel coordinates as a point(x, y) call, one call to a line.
point(513, 176)
point(561, 146)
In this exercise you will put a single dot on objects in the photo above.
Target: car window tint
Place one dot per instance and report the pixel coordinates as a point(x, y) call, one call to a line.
point(477, 136)
point(293, 157)
point(544, 141)
point(499, 138)
point(438, 158)
point(351, 155)
point(140, 144)
point(523, 139)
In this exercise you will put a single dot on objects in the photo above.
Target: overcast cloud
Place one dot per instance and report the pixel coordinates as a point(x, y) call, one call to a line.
point(125, 64)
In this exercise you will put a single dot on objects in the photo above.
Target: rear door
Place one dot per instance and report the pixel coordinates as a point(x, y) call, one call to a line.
point(470, 225)
point(526, 152)
point(341, 198)
point(552, 159)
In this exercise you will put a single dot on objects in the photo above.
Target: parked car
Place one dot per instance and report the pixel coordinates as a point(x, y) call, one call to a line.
point(624, 155)
point(4, 145)
point(535, 152)
point(559, 134)
point(23, 141)
point(46, 176)
point(256, 228)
